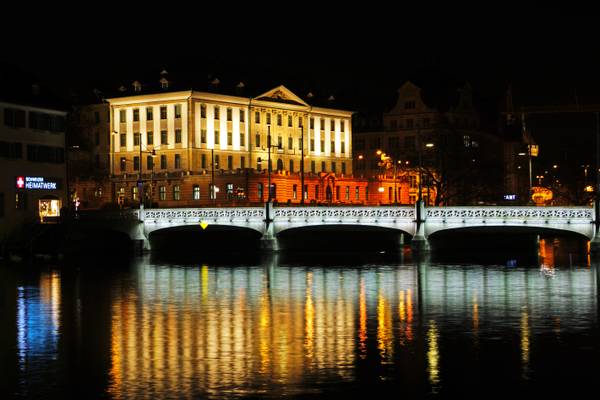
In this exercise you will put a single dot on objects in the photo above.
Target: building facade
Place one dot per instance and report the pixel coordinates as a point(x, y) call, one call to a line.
point(182, 144)
point(32, 161)
point(440, 149)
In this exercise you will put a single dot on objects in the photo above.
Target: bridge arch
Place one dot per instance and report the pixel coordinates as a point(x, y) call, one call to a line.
point(347, 237)
point(508, 229)
point(569, 219)
point(193, 238)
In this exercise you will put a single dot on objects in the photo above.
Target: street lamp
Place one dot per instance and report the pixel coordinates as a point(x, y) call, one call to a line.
point(301, 164)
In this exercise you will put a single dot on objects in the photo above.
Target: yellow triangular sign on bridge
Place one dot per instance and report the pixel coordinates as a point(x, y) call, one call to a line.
point(203, 224)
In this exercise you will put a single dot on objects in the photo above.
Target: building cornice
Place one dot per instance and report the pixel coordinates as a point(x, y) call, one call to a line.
point(216, 97)
point(149, 98)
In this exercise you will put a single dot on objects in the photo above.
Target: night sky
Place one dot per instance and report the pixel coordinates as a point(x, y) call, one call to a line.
point(551, 55)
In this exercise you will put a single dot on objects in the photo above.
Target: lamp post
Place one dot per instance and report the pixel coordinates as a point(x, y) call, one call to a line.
point(270, 198)
point(302, 164)
point(140, 182)
point(213, 191)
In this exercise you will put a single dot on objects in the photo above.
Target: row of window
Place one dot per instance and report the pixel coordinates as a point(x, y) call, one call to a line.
point(409, 124)
point(217, 139)
point(229, 191)
point(16, 118)
point(11, 150)
point(205, 163)
point(229, 112)
point(35, 153)
point(426, 123)
point(393, 143)
point(149, 113)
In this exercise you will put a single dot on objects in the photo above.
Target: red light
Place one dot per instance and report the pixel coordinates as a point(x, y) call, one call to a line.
point(20, 182)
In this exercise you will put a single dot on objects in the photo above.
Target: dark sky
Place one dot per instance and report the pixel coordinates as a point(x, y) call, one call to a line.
point(360, 55)
point(550, 54)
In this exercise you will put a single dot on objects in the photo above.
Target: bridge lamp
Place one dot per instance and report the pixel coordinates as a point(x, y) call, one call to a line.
point(429, 145)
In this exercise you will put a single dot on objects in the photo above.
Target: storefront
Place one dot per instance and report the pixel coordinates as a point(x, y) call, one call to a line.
point(44, 193)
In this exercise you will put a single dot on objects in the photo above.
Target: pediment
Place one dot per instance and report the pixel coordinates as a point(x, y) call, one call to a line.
point(281, 94)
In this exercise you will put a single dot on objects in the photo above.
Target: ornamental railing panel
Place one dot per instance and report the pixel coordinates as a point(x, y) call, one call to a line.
point(524, 213)
point(350, 213)
point(235, 213)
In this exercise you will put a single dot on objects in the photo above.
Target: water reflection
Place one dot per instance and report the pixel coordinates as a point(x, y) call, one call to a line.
point(273, 330)
point(38, 326)
point(433, 356)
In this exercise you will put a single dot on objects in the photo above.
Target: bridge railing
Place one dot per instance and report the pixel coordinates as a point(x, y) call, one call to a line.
point(354, 213)
point(524, 213)
point(204, 213)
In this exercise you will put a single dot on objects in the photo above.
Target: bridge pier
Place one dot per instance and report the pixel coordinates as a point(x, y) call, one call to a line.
point(595, 245)
point(419, 243)
point(268, 241)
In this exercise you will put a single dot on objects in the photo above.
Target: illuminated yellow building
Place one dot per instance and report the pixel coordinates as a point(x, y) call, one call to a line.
point(182, 134)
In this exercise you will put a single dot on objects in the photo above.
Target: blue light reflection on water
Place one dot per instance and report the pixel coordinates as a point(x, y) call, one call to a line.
point(38, 327)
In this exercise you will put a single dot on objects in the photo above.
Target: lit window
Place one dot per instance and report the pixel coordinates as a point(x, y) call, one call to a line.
point(196, 192)
point(176, 192)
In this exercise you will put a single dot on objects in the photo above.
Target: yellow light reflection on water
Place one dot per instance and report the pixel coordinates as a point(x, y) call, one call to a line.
point(384, 329)
point(433, 354)
point(475, 319)
point(309, 318)
point(525, 333)
point(362, 330)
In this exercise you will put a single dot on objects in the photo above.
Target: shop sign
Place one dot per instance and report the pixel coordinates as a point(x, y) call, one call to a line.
point(36, 183)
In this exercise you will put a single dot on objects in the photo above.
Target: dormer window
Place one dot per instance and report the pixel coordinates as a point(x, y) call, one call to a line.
point(410, 105)
point(164, 83)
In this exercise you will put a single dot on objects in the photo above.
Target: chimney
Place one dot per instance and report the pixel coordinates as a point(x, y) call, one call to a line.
point(214, 84)
point(137, 86)
point(239, 89)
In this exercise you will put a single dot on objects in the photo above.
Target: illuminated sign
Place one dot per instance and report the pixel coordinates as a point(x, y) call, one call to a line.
point(510, 197)
point(35, 182)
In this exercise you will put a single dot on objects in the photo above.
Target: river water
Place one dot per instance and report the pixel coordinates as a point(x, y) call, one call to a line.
point(302, 326)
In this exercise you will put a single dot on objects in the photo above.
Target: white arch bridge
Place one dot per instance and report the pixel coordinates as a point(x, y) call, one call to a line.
point(420, 223)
